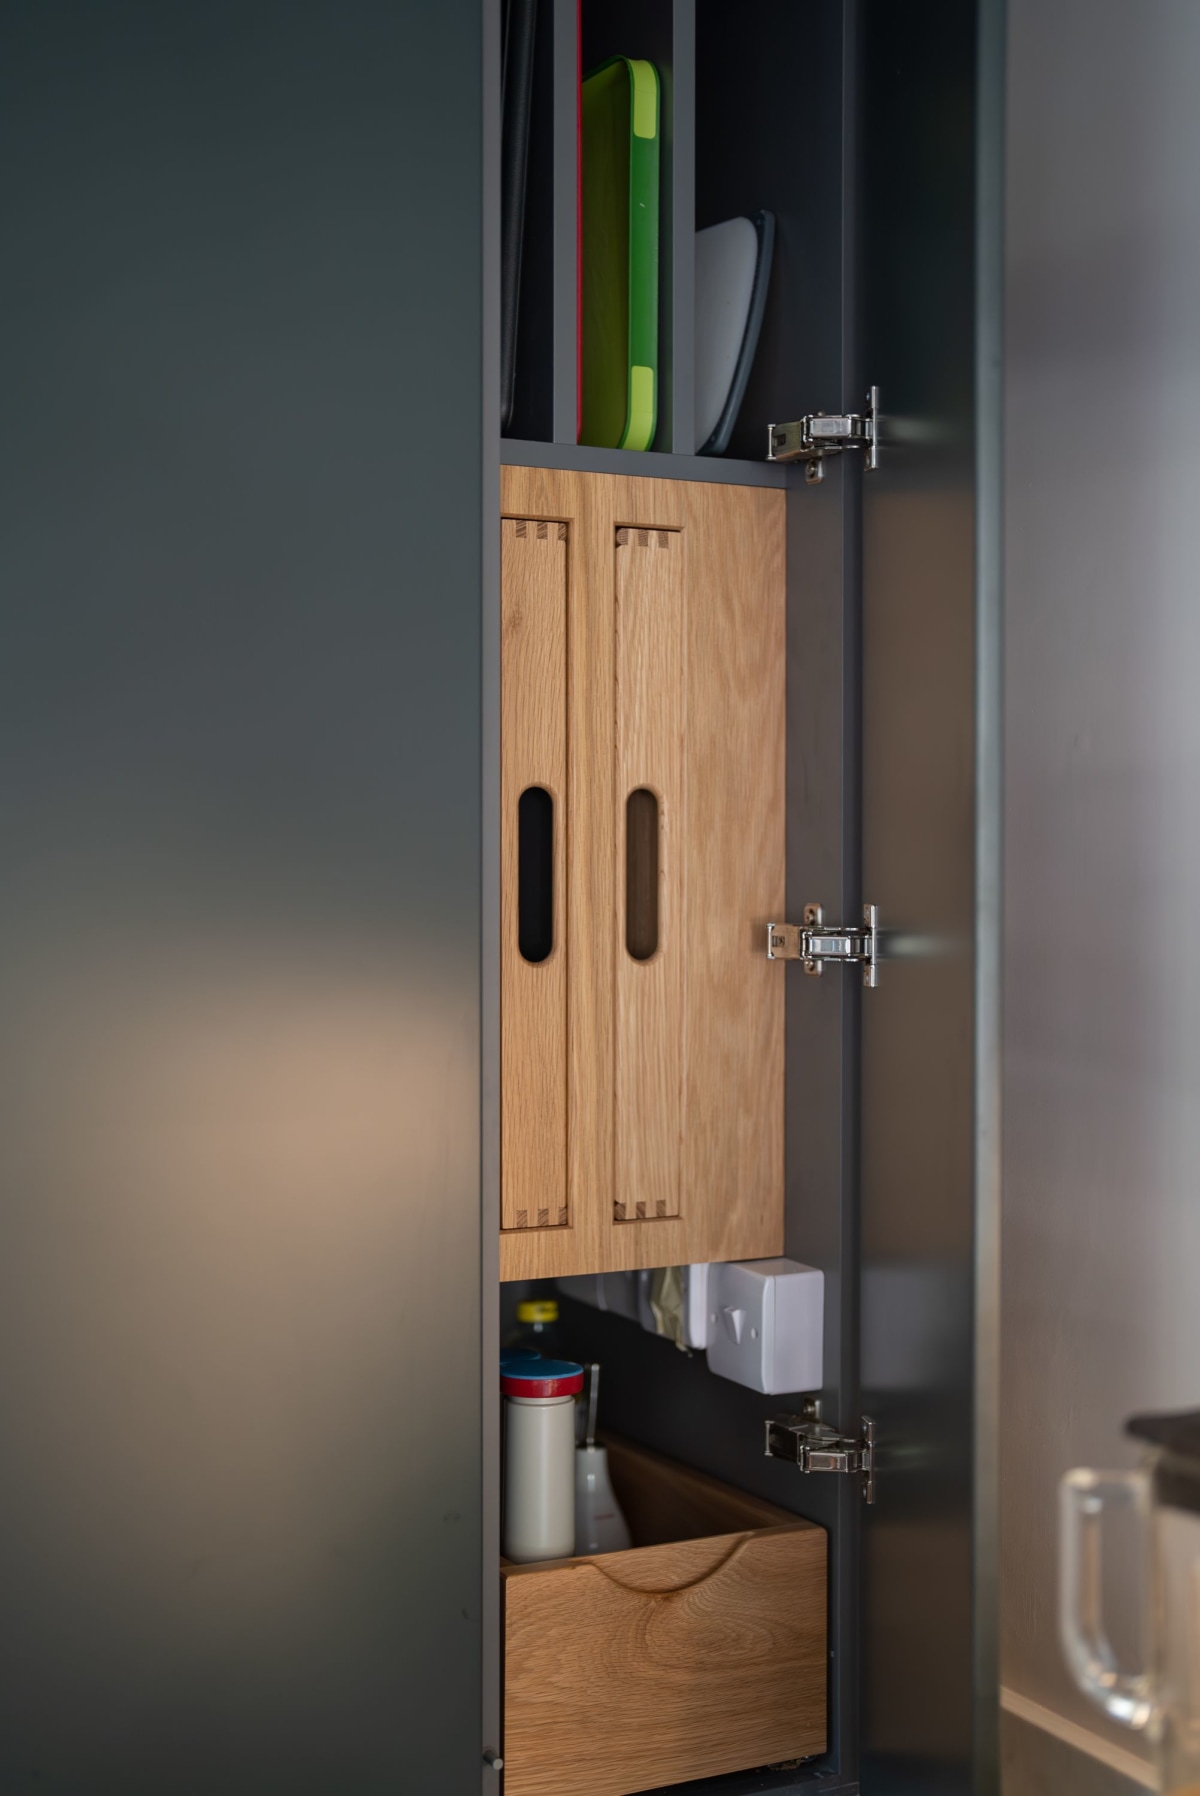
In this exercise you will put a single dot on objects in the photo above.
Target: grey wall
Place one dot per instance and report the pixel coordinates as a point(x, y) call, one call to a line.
point(240, 504)
point(1102, 1145)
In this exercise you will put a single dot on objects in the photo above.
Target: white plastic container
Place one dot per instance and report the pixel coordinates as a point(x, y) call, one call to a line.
point(599, 1525)
point(539, 1457)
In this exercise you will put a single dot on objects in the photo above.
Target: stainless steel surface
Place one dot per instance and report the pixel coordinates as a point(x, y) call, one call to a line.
point(813, 1446)
point(1102, 1057)
point(869, 1436)
point(815, 943)
point(871, 431)
point(927, 684)
point(819, 435)
point(240, 799)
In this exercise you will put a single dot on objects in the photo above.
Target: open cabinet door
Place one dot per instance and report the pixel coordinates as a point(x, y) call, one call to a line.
point(929, 251)
point(241, 777)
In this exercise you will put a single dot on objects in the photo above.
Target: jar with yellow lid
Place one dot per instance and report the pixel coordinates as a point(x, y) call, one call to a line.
point(537, 1329)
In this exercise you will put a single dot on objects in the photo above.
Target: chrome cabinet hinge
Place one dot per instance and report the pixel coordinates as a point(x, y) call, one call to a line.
point(818, 435)
point(814, 944)
point(816, 1447)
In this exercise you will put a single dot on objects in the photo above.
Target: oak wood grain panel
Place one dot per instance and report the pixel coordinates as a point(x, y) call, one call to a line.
point(666, 1662)
point(650, 721)
point(665, 1501)
point(735, 843)
point(631, 1670)
point(590, 508)
point(533, 752)
point(731, 1190)
point(665, 1565)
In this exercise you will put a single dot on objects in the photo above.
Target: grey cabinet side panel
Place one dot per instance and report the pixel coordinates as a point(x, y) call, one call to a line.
point(921, 820)
point(240, 898)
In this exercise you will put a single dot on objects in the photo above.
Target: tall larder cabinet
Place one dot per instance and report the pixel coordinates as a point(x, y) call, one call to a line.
point(396, 805)
point(762, 686)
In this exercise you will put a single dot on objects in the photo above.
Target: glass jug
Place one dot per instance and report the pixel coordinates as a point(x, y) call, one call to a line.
point(1164, 1698)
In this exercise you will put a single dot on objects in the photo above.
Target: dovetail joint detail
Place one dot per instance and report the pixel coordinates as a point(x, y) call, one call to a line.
point(543, 1219)
point(630, 538)
point(544, 529)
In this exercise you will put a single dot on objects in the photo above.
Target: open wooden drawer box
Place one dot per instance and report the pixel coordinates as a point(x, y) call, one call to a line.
point(700, 1650)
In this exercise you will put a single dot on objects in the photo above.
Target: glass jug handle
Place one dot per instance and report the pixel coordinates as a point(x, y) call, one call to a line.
point(1083, 1496)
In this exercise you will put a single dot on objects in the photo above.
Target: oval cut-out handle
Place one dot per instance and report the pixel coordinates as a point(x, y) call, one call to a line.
point(535, 874)
point(641, 874)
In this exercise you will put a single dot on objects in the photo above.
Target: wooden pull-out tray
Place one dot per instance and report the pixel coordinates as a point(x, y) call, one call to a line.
point(698, 1651)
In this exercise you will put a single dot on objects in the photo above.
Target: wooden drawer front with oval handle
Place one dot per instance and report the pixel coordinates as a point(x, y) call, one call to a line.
point(533, 763)
point(669, 1661)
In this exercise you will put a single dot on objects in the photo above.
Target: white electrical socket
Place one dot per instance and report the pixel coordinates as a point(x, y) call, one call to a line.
point(766, 1324)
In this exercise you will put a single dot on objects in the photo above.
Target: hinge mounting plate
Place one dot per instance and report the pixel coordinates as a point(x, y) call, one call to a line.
point(818, 435)
point(814, 944)
point(814, 1446)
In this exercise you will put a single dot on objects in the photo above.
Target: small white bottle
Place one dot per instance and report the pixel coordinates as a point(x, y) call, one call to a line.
point(539, 1457)
point(599, 1525)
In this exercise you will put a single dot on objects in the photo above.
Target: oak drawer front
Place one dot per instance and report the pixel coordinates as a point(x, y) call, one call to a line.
point(632, 1670)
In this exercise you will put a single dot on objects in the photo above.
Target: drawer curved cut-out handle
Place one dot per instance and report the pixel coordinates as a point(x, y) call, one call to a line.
point(642, 826)
point(535, 874)
point(703, 1567)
